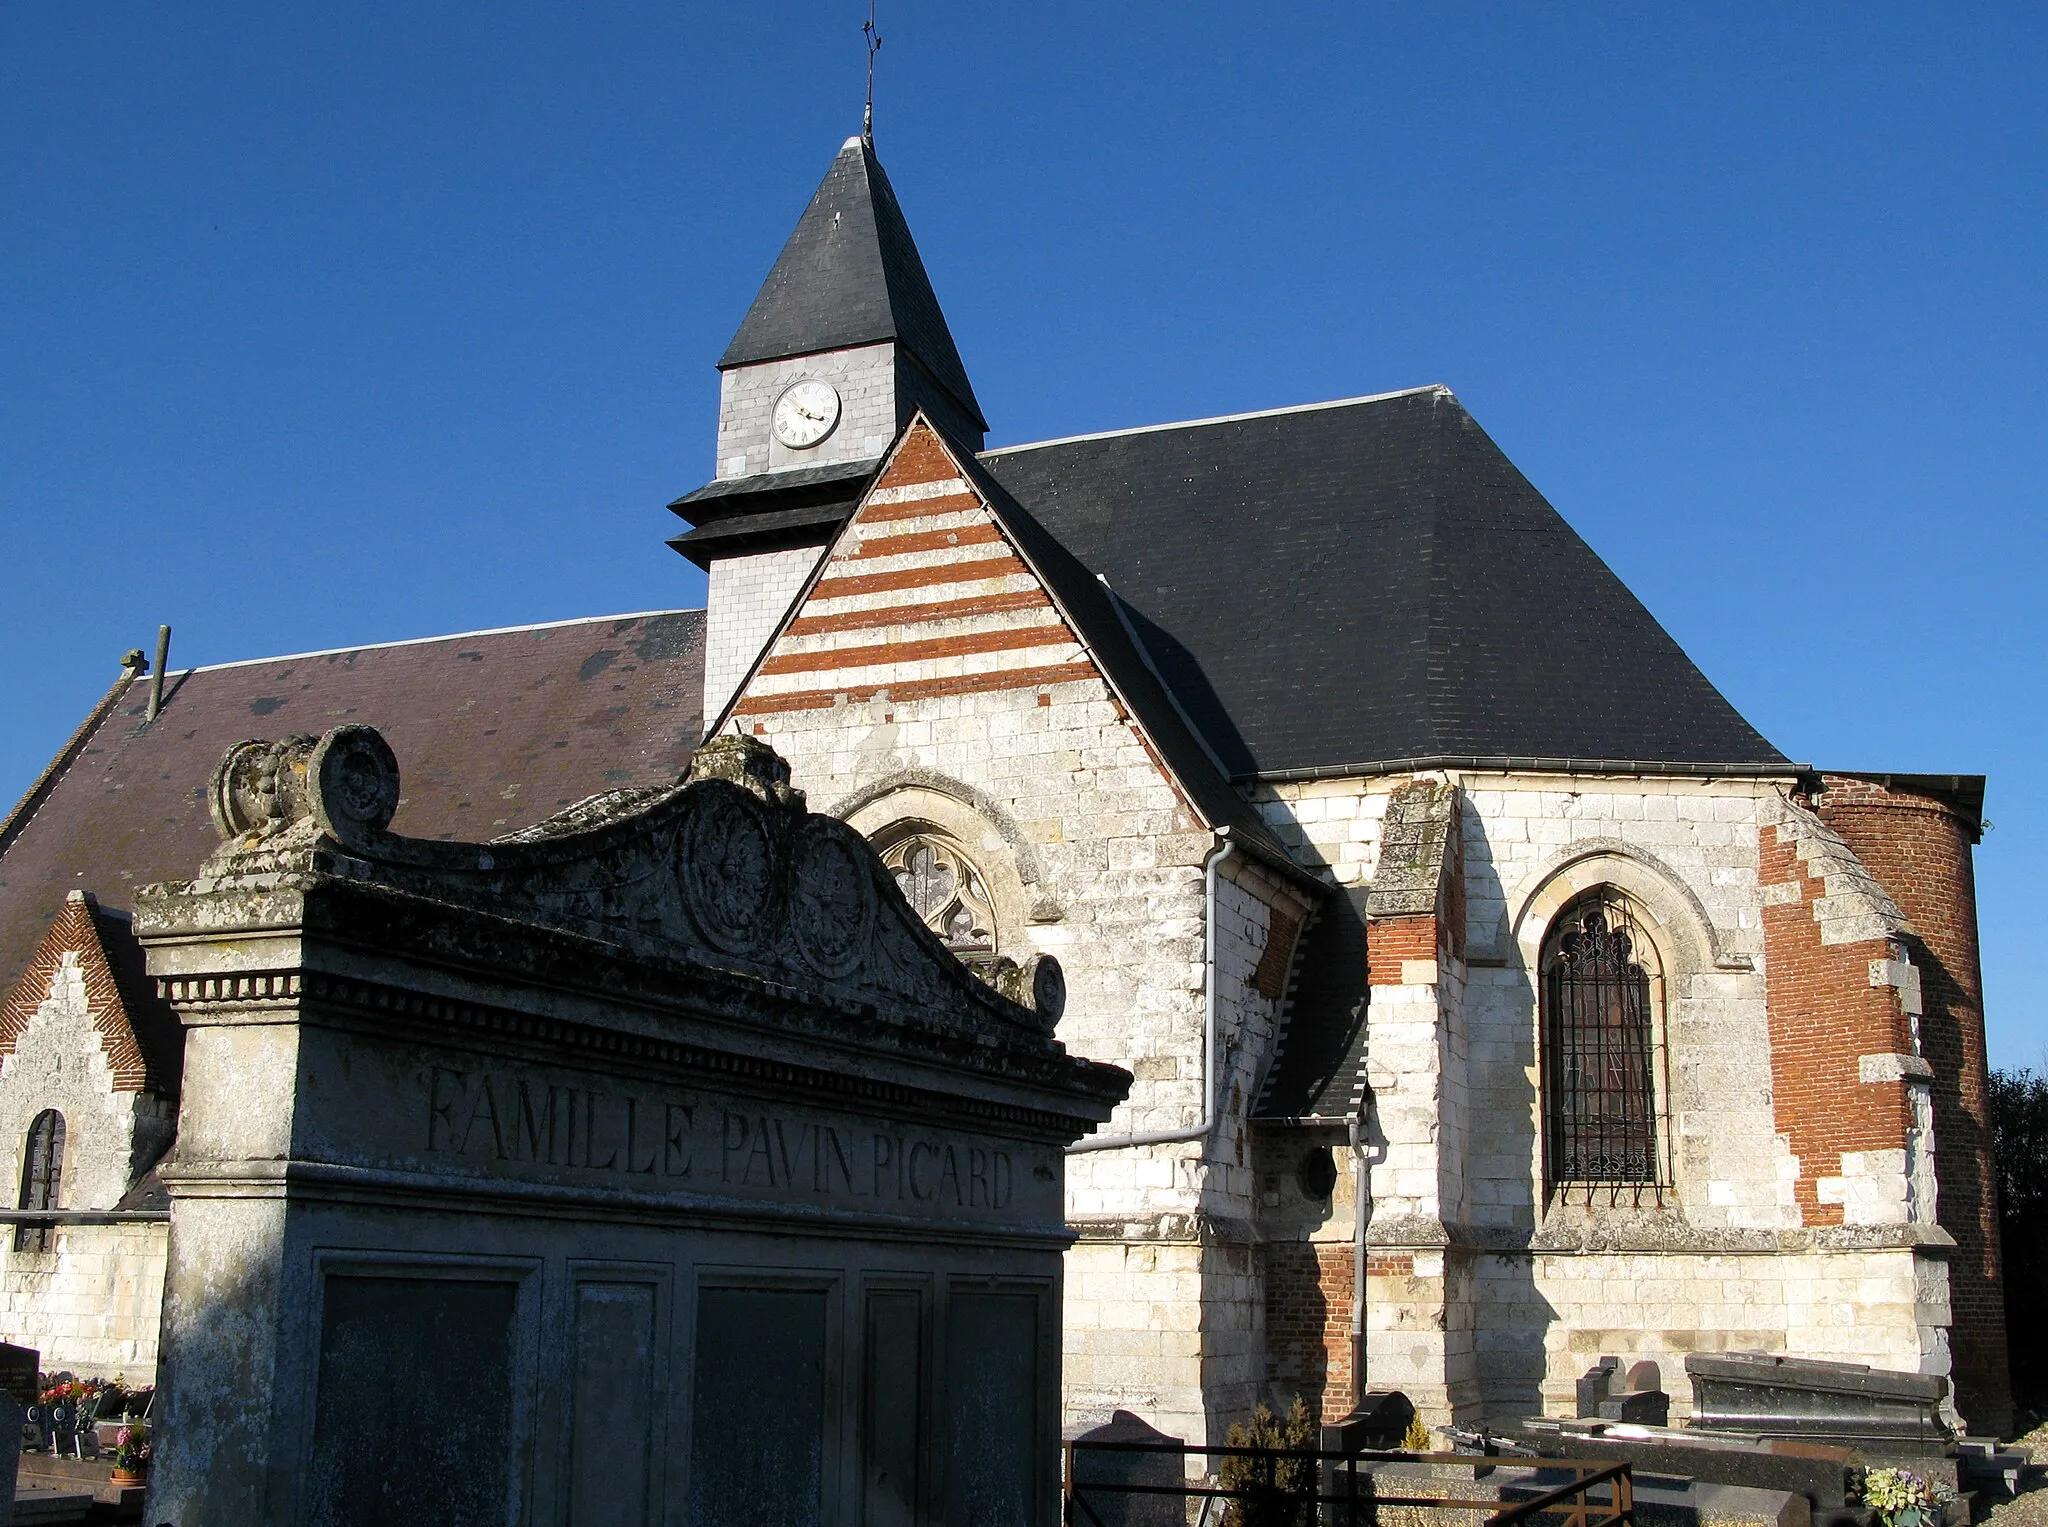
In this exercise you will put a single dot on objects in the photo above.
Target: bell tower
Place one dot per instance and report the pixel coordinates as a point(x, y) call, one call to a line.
point(843, 345)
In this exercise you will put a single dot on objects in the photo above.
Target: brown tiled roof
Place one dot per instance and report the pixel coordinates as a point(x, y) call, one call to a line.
point(138, 1032)
point(494, 730)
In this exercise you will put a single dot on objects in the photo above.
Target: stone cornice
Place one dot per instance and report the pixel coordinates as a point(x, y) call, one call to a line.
point(331, 1182)
point(326, 999)
point(1636, 1235)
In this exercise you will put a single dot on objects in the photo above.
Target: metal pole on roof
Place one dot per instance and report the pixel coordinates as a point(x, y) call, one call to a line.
point(874, 40)
point(156, 676)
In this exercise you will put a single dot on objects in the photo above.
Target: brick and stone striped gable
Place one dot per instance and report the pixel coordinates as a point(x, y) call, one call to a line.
point(924, 596)
point(86, 933)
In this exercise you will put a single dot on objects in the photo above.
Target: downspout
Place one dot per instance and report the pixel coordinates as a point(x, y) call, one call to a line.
point(1360, 1200)
point(1225, 849)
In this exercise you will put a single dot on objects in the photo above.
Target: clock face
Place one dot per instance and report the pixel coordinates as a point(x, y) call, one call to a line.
point(805, 413)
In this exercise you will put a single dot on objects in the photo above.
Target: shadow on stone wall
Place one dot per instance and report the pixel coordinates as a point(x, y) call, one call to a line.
point(1965, 1205)
point(1298, 1318)
point(1511, 1319)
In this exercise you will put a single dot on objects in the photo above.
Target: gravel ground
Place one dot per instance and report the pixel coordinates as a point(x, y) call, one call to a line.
point(2030, 1507)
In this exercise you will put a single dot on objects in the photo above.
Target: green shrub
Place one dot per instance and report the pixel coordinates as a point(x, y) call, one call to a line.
point(1288, 1500)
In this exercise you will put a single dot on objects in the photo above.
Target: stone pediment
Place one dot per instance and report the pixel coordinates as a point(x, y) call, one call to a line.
point(726, 869)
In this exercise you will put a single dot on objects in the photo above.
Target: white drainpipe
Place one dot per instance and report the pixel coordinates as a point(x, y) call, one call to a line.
point(1225, 849)
point(1361, 1202)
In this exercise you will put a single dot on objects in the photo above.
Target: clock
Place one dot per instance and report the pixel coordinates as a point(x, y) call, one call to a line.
point(805, 413)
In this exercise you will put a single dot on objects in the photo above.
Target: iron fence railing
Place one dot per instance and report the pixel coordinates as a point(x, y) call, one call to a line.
point(1319, 1487)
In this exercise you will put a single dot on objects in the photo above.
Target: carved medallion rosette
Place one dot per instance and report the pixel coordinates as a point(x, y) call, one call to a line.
point(726, 863)
point(353, 776)
point(831, 897)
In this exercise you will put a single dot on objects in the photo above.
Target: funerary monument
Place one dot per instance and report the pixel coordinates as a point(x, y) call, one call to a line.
point(653, 1163)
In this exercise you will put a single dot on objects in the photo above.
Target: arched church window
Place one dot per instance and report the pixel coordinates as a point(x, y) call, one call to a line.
point(1602, 995)
point(944, 888)
point(42, 1178)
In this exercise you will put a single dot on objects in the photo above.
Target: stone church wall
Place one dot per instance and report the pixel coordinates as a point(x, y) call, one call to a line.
point(1551, 1317)
point(90, 1303)
point(748, 595)
point(1483, 1299)
point(1164, 1297)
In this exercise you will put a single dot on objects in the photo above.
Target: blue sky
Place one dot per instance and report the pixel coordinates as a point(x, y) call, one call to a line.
point(329, 326)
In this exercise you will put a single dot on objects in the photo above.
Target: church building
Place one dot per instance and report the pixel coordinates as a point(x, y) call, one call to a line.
point(1497, 997)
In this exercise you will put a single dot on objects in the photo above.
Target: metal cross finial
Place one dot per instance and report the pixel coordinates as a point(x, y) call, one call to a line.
point(867, 121)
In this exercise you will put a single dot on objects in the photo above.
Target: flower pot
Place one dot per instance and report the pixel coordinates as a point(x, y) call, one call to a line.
point(130, 1477)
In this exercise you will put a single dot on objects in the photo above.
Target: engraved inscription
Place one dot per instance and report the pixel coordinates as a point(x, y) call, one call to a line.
point(707, 1146)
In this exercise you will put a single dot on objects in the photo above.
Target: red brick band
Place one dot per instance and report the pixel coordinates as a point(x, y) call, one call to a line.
point(917, 509)
point(976, 571)
point(927, 540)
point(920, 614)
point(1009, 639)
point(919, 689)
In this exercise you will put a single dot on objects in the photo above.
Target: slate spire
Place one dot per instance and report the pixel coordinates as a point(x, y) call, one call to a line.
point(850, 275)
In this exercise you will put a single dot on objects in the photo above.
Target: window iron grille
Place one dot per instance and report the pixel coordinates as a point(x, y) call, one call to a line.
point(1599, 1060)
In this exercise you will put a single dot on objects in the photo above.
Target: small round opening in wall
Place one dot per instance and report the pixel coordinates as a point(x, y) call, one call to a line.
point(1316, 1176)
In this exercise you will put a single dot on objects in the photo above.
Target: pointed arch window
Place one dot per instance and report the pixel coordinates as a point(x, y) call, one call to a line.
point(1602, 1000)
point(42, 1178)
point(944, 887)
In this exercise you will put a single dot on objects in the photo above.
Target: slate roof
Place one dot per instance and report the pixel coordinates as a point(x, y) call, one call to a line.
point(1318, 1071)
point(851, 275)
point(1112, 642)
point(1372, 583)
point(494, 730)
point(769, 511)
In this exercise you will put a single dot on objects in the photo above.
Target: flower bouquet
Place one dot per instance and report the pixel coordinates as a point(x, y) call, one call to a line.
point(68, 1388)
point(131, 1453)
point(1902, 1498)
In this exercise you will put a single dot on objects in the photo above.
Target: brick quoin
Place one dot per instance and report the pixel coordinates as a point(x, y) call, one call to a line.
point(1917, 842)
point(1391, 940)
point(1824, 1014)
point(1308, 1323)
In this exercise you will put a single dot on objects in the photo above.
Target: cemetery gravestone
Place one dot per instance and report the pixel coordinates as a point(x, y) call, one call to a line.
point(1639, 1399)
point(1377, 1423)
point(12, 1414)
point(20, 1368)
point(1798, 1397)
point(1112, 1507)
point(655, 1164)
point(1595, 1384)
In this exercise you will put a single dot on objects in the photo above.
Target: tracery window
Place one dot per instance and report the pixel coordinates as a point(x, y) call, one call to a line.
point(42, 1178)
point(1602, 1032)
point(945, 889)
